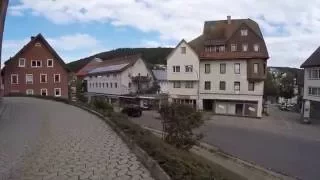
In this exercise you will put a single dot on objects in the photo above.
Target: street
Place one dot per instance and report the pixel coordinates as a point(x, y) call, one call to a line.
point(282, 145)
point(43, 139)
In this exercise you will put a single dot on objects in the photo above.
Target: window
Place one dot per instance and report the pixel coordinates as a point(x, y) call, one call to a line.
point(222, 85)
point(207, 85)
point(244, 32)
point(189, 68)
point(314, 74)
point(29, 91)
point(110, 85)
point(50, 62)
point(207, 68)
point(176, 68)
point(251, 86)
point(256, 47)
point(44, 92)
point(176, 84)
point(14, 79)
point(107, 85)
point(57, 92)
point(233, 47)
point(38, 45)
point(99, 84)
point(255, 68)
point(102, 85)
point(96, 85)
point(115, 85)
point(236, 86)
point(189, 84)
point(29, 78)
point(57, 78)
point(36, 63)
point(222, 68)
point(108, 75)
point(237, 68)
point(183, 50)
point(22, 62)
point(244, 47)
point(43, 78)
point(314, 91)
point(221, 48)
point(129, 85)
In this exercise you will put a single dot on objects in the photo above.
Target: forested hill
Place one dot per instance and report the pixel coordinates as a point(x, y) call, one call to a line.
point(150, 55)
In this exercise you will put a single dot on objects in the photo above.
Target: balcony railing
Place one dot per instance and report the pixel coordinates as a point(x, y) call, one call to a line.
point(232, 55)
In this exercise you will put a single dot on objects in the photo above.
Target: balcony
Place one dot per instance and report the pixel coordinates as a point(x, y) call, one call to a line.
point(140, 79)
point(232, 55)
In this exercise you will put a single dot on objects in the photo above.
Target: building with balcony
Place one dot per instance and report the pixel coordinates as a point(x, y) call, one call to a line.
point(223, 70)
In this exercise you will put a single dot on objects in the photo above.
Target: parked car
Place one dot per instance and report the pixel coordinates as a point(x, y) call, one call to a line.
point(146, 106)
point(132, 110)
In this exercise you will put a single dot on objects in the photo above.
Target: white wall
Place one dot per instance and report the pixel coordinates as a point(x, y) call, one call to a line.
point(179, 59)
point(229, 77)
point(122, 80)
point(310, 83)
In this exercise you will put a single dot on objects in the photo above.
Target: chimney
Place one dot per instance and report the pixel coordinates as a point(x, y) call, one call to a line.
point(229, 19)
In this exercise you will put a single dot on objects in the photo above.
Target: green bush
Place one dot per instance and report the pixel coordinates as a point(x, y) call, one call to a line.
point(178, 164)
point(102, 106)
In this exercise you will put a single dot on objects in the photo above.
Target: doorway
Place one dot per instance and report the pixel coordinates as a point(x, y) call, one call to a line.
point(239, 109)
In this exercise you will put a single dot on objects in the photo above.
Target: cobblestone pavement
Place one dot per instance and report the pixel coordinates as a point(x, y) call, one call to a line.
point(42, 139)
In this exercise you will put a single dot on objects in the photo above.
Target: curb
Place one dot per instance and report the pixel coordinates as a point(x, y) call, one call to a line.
point(216, 151)
point(156, 171)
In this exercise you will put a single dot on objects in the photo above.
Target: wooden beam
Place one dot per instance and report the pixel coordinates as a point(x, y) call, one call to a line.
point(3, 12)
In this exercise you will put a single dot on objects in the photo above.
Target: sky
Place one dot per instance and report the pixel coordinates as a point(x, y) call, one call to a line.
point(79, 28)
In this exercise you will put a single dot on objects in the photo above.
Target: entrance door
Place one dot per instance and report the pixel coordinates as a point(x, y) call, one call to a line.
point(239, 109)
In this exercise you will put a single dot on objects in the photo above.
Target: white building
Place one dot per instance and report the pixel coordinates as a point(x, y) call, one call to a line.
point(160, 76)
point(223, 70)
point(311, 95)
point(121, 76)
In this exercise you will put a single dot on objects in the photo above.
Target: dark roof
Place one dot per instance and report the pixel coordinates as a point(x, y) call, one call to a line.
point(313, 60)
point(150, 55)
point(219, 32)
point(39, 37)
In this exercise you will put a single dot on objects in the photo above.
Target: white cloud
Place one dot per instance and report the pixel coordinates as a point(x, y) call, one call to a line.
point(73, 46)
point(152, 44)
point(177, 19)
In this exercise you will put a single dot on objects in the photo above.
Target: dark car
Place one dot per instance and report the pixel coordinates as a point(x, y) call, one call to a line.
point(132, 110)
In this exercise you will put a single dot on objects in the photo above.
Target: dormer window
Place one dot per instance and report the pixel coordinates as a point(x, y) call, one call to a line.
point(233, 47)
point(183, 50)
point(244, 32)
point(244, 47)
point(256, 47)
point(22, 62)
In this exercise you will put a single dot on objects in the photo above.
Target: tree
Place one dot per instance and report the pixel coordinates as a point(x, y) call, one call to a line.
point(178, 122)
point(270, 86)
point(287, 85)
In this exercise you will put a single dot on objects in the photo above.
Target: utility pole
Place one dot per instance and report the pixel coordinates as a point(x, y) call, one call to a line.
point(3, 12)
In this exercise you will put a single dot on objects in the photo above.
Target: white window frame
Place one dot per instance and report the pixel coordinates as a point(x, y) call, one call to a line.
point(207, 68)
point(234, 84)
point(28, 90)
point(44, 89)
point(175, 69)
point(36, 63)
point(176, 84)
point(48, 62)
point(189, 84)
point(11, 77)
point(209, 85)
point(256, 47)
point(311, 74)
point(233, 47)
point(24, 62)
point(183, 50)
point(54, 78)
point(237, 71)
point(188, 68)
point(37, 44)
point(244, 32)
point(54, 90)
point(46, 78)
point(317, 90)
point(245, 47)
point(31, 82)
point(256, 68)
point(225, 68)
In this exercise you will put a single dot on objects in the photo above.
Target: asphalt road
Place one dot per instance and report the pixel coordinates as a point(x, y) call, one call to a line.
point(43, 139)
point(282, 152)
